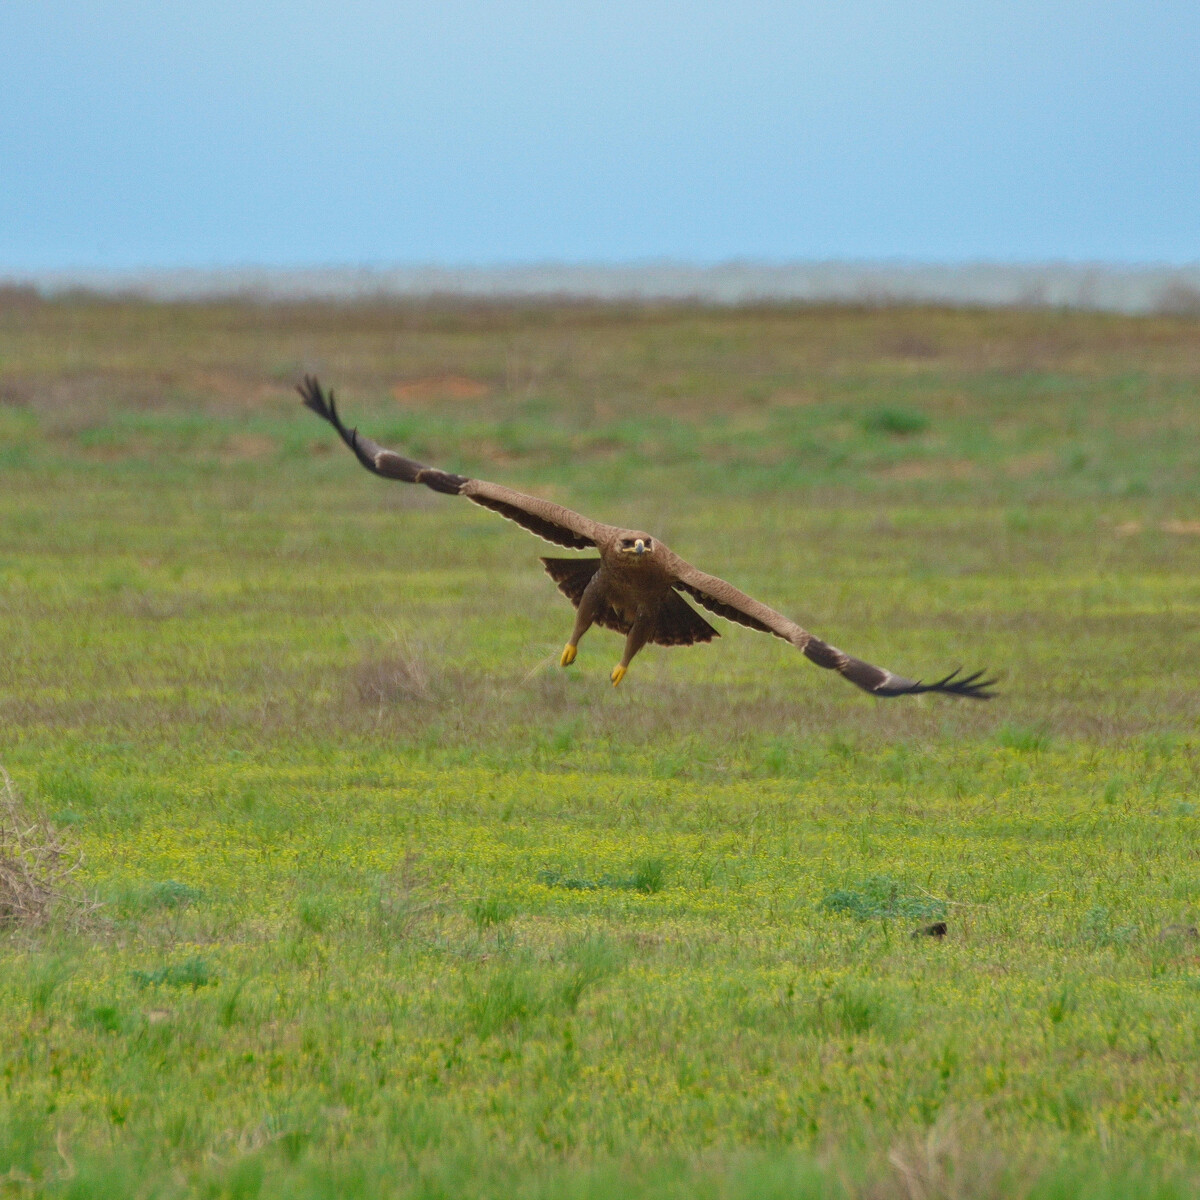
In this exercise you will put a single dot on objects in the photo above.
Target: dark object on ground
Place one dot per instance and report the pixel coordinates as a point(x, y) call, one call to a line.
point(936, 930)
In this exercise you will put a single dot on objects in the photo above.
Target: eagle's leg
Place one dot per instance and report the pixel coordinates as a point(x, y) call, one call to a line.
point(584, 617)
point(634, 641)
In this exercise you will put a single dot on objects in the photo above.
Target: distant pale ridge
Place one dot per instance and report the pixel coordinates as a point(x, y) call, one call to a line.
point(1094, 286)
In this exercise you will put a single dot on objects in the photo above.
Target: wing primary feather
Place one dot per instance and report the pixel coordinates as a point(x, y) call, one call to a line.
point(326, 409)
point(725, 600)
point(972, 686)
point(549, 521)
point(373, 456)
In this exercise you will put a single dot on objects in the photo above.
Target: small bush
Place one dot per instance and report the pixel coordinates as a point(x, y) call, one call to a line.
point(880, 897)
point(192, 972)
point(106, 1017)
point(896, 422)
point(649, 876)
point(572, 883)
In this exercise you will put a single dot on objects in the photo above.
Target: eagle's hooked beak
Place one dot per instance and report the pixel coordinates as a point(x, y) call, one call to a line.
point(639, 547)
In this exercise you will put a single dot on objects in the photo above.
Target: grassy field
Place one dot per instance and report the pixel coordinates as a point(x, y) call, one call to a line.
point(393, 906)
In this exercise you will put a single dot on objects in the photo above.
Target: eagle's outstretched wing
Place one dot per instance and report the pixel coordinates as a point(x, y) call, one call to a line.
point(549, 521)
point(726, 601)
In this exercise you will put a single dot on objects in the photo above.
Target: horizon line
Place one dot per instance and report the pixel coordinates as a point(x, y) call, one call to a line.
point(1090, 285)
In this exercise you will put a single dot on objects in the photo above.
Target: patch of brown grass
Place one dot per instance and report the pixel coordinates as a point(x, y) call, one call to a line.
point(1025, 466)
point(247, 446)
point(916, 469)
point(908, 345)
point(440, 387)
point(1179, 528)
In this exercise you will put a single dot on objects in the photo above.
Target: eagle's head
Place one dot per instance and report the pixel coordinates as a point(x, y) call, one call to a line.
point(637, 546)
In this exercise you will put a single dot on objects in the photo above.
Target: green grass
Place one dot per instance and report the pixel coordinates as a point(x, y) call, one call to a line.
point(395, 906)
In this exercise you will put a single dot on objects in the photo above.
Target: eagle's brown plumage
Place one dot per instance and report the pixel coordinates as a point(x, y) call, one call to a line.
point(676, 623)
point(634, 586)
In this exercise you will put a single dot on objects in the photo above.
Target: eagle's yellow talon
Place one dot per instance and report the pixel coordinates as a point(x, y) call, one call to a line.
point(568, 656)
point(618, 674)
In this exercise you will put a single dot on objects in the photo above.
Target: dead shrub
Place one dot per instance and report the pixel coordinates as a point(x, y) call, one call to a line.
point(35, 866)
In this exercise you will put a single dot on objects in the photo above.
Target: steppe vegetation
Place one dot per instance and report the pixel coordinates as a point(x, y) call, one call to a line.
point(390, 905)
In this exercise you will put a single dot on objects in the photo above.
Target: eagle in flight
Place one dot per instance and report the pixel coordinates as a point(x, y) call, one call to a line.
point(635, 586)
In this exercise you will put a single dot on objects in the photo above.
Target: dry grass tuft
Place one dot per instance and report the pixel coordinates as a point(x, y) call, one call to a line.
point(35, 866)
point(947, 1163)
point(392, 679)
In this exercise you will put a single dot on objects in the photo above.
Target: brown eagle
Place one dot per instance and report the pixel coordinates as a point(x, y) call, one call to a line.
point(634, 586)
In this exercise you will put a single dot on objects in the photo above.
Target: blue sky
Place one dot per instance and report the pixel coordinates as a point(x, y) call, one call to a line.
point(141, 134)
